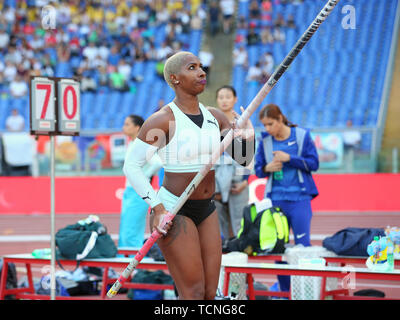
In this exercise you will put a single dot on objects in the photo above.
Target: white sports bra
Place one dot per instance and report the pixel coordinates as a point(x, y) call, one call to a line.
point(191, 147)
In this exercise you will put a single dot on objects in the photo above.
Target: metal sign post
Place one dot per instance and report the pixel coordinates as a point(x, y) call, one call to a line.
point(54, 110)
point(52, 221)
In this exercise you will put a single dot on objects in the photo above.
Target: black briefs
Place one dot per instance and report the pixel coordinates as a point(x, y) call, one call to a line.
point(197, 210)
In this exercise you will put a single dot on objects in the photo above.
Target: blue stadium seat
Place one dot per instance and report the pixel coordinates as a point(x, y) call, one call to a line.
point(63, 69)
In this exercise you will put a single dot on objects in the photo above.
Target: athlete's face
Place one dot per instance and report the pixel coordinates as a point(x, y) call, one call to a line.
point(129, 128)
point(226, 99)
point(191, 77)
point(272, 126)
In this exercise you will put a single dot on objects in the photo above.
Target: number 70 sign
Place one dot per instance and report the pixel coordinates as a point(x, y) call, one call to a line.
point(54, 106)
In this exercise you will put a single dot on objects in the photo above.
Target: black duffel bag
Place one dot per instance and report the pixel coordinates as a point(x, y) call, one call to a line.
point(352, 241)
point(85, 239)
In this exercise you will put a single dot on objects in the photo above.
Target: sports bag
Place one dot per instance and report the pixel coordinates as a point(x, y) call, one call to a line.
point(262, 231)
point(352, 241)
point(86, 239)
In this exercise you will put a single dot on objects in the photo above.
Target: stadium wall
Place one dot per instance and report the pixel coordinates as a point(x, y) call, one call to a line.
point(102, 195)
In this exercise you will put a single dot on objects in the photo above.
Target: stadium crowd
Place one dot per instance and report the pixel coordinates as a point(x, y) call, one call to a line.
point(96, 40)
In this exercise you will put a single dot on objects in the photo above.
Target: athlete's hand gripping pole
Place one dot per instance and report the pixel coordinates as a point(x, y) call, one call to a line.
point(267, 87)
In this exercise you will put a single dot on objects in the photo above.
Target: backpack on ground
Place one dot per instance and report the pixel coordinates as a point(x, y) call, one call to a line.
point(264, 229)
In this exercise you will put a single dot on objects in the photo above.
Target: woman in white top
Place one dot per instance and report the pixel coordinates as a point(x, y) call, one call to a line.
point(185, 133)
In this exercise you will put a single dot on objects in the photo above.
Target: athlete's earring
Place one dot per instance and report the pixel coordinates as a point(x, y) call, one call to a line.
point(176, 82)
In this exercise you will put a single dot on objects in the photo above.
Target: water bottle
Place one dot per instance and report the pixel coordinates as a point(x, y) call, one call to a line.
point(42, 253)
point(394, 235)
point(278, 175)
point(390, 256)
point(373, 248)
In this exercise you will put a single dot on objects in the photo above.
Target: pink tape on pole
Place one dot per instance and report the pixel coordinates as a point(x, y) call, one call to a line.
point(153, 238)
point(121, 279)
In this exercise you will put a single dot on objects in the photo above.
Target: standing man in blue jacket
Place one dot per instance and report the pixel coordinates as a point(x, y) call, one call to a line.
point(287, 155)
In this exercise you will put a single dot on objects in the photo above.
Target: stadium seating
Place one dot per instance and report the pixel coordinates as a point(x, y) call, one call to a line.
point(106, 108)
point(339, 73)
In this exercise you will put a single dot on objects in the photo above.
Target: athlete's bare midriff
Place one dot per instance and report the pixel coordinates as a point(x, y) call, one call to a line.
point(176, 183)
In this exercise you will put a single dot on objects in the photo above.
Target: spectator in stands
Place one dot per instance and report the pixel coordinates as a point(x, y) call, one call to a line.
point(46, 66)
point(90, 52)
point(291, 23)
point(351, 137)
point(196, 22)
point(206, 58)
point(19, 150)
point(254, 10)
point(267, 65)
point(214, 17)
point(117, 80)
point(290, 184)
point(4, 39)
point(18, 87)
point(185, 18)
point(104, 51)
point(279, 21)
point(266, 5)
point(62, 37)
point(254, 74)
point(279, 35)
point(151, 53)
point(15, 122)
point(252, 37)
point(266, 36)
point(13, 55)
point(231, 185)
point(143, 16)
point(163, 51)
point(162, 15)
point(98, 61)
point(133, 208)
point(138, 54)
point(37, 43)
point(227, 11)
point(10, 71)
point(103, 79)
point(114, 56)
point(125, 69)
point(266, 12)
point(240, 56)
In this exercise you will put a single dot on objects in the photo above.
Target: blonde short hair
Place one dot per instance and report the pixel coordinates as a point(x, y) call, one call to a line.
point(173, 65)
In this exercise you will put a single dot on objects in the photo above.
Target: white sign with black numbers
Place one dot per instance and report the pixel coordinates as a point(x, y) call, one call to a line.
point(69, 106)
point(43, 105)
